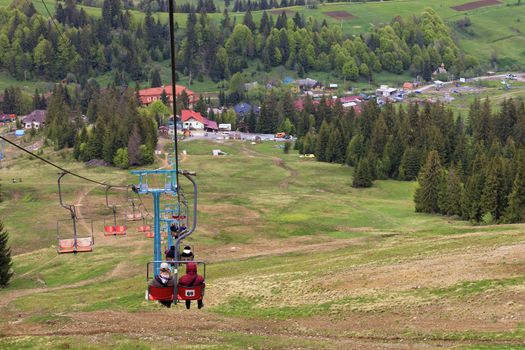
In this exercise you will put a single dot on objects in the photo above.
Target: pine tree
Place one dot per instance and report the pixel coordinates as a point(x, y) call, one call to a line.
point(252, 121)
point(472, 209)
point(355, 150)
point(60, 128)
point(322, 142)
point(430, 181)
point(309, 142)
point(410, 164)
point(451, 196)
point(248, 20)
point(363, 174)
point(515, 211)
point(133, 147)
point(493, 198)
point(155, 78)
point(379, 136)
point(335, 151)
point(164, 98)
point(5, 258)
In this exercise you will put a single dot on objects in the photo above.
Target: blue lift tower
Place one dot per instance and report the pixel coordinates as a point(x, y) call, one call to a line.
point(166, 185)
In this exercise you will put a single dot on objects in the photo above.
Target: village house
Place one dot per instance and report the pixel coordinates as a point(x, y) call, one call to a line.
point(309, 84)
point(332, 87)
point(385, 91)
point(192, 120)
point(354, 102)
point(34, 120)
point(148, 96)
point(7, 119)
point(407, 86)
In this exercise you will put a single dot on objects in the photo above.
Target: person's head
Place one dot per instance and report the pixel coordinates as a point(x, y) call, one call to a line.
point(191, 268)
point(187, 254)
point(165, 269)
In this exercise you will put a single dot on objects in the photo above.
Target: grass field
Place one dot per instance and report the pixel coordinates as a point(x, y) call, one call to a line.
point(296, 259)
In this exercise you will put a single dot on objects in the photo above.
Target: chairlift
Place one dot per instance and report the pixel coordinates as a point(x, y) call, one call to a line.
point(133, 212)
point(114, 229)
point(144, 227)
point(168, 187)
point(181, 292)
point(75, 244)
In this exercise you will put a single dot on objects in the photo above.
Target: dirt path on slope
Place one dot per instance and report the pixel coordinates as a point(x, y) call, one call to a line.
point(293, 173)
point(279, 162)
point(200, 326)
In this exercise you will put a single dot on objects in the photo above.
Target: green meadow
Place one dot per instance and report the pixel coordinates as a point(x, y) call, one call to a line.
point(297, 258)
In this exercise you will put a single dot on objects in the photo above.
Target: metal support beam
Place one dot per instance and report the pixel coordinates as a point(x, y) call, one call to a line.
point(156, 228)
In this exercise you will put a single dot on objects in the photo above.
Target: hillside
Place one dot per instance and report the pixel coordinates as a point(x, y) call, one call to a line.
point(297, 259)
point(493, 37)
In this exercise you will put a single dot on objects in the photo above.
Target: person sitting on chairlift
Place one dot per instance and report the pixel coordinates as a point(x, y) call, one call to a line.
point(174, 228)
point(163, 280)
point(192, 279)
point(170, 254)
point(187, 254)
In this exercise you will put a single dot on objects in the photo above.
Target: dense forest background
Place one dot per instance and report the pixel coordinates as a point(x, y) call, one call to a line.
point(76, 46)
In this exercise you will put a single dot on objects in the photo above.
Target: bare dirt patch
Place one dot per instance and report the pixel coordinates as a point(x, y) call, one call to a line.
point(437, 271)
point(475, 5)
point(340, 15)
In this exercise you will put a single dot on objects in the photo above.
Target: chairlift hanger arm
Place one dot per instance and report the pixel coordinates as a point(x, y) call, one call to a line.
point(194, 226)
point(69, 207)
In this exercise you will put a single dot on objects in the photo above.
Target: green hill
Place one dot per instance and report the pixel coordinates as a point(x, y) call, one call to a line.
point(494, 36)
point(297, 258)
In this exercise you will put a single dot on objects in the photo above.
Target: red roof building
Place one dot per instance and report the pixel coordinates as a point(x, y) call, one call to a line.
point(195, 121)
point(348, 99)
point(148, 96)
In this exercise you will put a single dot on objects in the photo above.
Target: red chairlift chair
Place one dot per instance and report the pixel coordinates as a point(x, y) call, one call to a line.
point(114, 229)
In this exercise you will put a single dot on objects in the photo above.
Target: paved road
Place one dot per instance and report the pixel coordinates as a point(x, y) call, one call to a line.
point(520, 77)
point(242, 135)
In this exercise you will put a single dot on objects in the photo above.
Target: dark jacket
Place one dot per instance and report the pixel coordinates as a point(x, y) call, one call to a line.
point(170, 253)
point(157, 282)
point(185, 256)
point(191, 278)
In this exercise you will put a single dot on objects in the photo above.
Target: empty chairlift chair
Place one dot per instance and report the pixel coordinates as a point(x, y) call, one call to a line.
point(69, 227)
point(111, 228)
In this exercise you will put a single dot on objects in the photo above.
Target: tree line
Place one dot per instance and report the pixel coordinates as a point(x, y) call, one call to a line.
point(80, 45)
point(114, 128)
point(473, 170)
point(419, 45)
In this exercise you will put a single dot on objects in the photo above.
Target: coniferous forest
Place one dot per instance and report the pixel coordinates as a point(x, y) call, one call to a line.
point(473, 170)
point(82, 46)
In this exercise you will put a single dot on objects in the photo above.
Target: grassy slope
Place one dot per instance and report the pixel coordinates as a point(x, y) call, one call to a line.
point(268, 233)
